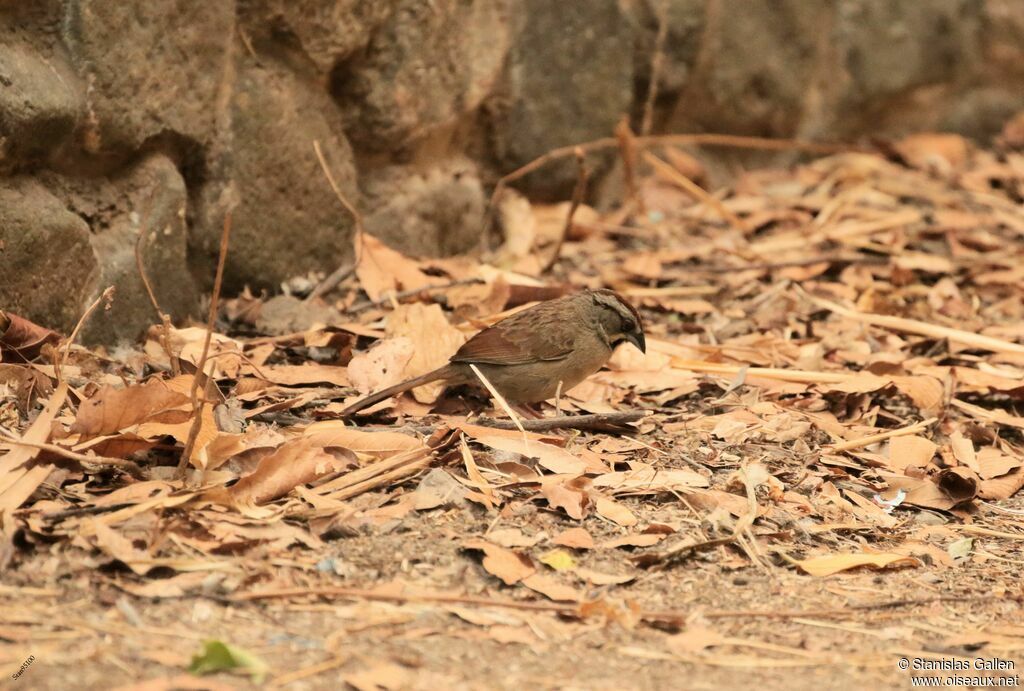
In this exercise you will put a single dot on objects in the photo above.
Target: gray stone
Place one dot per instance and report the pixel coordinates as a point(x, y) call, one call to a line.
point(889, 47)
point(757, 68)
point(148, 197)
point(287, 221)
point(686, 23)
point(153, 69)
point(433, 212)
point(48, 262)
point(429, 66)
point(326, 31)
point(569, 80)
point(39, 106)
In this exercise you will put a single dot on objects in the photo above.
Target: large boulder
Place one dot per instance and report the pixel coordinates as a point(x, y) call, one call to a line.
point(429, 66)
point(154, 69)
point(286, 219)
point(48, 261)
point(150, 197)
point(426, 211)
point(325, 31)
point(40, 105)
point(569, 79)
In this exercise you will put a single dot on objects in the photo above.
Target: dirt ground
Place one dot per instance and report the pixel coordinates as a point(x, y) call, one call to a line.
point(812, 479)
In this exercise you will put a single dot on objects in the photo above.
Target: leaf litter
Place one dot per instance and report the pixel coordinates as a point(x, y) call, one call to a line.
point(834, 439)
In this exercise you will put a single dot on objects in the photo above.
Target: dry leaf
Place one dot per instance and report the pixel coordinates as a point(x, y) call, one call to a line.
point(297, 462)
point(383, 270)
point(577, 538)
point(551, 588)
point(615, 512)
point(828, 564)
point(910, 450)
point(511, 567)
point(433, 338)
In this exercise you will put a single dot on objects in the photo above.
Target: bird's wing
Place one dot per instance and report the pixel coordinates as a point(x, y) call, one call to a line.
point(520, 339)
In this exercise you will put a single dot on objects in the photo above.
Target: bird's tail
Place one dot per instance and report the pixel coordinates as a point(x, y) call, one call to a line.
point(375, 398)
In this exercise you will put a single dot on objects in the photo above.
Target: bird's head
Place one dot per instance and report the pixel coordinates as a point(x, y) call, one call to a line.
point(619, 319)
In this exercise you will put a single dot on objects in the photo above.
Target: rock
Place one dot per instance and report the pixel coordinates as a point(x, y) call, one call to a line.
point(325, 32)
point(284, 314)
point(888, 47)
point(569, 80)
point(152, 70)
point(149, 196)
point(429, 66)
point(433, 212)
point(759, 69)
point(49, 265)
point(287, 221)
point(39, 106)
point(686, 23)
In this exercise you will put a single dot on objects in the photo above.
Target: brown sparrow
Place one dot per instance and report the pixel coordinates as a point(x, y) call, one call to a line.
point(532, 355)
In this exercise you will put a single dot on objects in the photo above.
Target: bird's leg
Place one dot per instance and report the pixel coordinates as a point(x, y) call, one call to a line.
point(527, 411)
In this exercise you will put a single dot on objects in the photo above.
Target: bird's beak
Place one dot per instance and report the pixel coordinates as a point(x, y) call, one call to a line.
point(637, 339)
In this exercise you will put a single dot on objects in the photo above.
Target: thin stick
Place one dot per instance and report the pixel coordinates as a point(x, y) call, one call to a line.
point(402, 294)
point(920, 328)
point(197, 403)
point(664, 559)
point(627, 150)
point(577, 197)
point(381, 480)
point(657, 58)
point(107, 295)
point(311, 671)
point(165, 319)
point(666, 170)
point(882, 436)
point(596, 422)
point(792, 375)
point(342, 272)
point(381, 467)
point(502, 403)
point(723, 140)
point(85, 459)
point(575, 609)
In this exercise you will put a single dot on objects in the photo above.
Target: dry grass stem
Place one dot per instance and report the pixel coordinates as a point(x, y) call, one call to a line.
point(342, 272)
point(200, 374)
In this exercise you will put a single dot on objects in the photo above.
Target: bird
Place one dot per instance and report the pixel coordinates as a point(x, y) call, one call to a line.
point(536, 354)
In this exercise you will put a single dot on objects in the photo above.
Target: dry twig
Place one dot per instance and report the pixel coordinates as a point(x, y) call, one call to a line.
point(342, 272)
point(197, 403)
point(577, 198)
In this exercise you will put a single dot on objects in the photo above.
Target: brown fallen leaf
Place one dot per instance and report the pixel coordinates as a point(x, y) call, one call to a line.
point(299, 375)
point(383, 270)
point(1003, 487)
point(576, 538)
point(511, 567)
point(434, 340)
point(569, 493)
point(121, 548)
point(910, 450)
point(551, 588)
point(388, 675)
point(112, 410)
point(382, 365)
point(378, 443)
point(615, 512)
point(23, 338)
point(828, 564)
point(553, 458)
point(297, 462)
point(635, 540)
